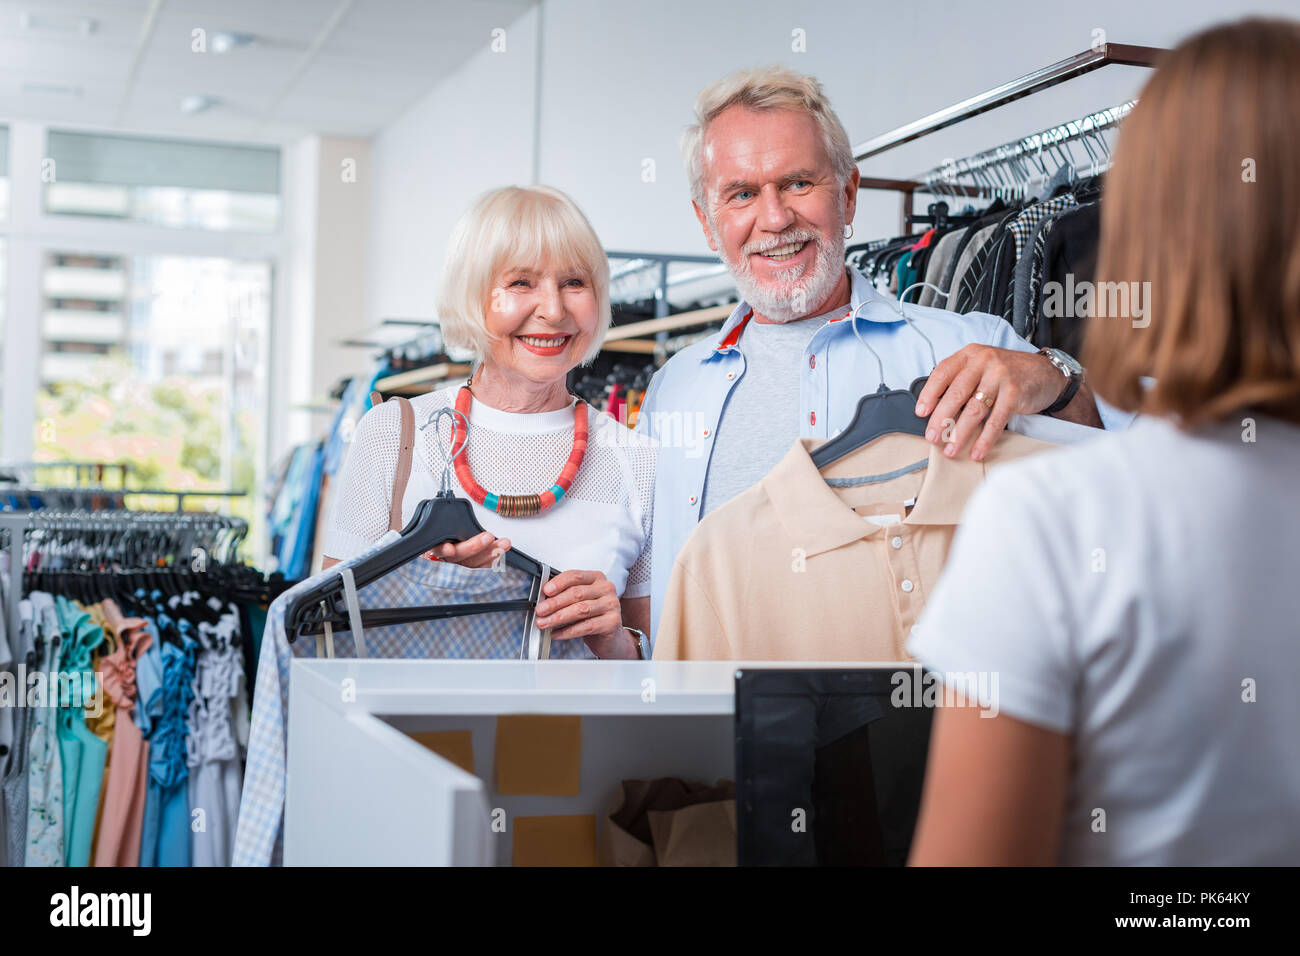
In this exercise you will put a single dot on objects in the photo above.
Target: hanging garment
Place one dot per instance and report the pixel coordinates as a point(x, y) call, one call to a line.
point(83, 754)
point(970, 266)
point(1028, 280)
point(296, 554)
point(7, 666)
point(44, 837)
point(122, 817)
point(165, 828)
point(824, 573)
point(167, 811)
point(1070, 249)
point(212, 749)
point(101, 710)
point(261, 810)
point(1000, 298)
point(7, 704)
point(148, 716)
point(945, 247)
point(13, 786)
point(975, 292)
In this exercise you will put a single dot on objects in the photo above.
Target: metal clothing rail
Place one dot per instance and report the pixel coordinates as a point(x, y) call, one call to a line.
point(1122, 54)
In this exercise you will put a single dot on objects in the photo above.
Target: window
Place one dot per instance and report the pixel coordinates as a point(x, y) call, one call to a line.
point(157, 361)
point(162, 182)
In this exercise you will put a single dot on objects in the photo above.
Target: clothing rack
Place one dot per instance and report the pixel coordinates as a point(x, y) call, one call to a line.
point(172, 533)
point(90, 498)
point(1020, 157)
point(1121, 54)
point(639, 261)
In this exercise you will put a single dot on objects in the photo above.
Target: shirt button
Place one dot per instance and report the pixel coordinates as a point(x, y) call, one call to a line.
point(730, 376)
point(896, 542)
point(706, 433)
point(906, 586)
point(692, 499)
point(812, 418)
point(812, 361)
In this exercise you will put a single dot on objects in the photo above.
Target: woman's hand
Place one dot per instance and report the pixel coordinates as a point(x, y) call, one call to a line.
point(480, 551)
point(584, 604)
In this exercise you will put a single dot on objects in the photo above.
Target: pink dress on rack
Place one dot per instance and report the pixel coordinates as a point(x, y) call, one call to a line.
point(128, 769)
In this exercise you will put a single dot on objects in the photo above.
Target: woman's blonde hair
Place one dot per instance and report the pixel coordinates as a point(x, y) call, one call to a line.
point(763, 90)
point(1203, 203)
point(525, 227)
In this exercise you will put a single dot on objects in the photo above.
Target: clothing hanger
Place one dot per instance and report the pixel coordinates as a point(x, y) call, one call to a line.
point(883, 412)
point(438, 520)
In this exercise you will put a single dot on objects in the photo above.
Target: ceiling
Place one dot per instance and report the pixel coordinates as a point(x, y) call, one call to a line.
point(338, 67)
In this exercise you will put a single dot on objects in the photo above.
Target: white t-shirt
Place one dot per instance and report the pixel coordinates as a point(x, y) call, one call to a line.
point(602, 524)
point(1141, 594)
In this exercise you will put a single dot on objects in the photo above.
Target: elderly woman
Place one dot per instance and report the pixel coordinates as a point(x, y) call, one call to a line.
point(525, 287)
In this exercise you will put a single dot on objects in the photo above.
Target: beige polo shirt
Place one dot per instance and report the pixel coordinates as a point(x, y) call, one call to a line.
point(793, 569)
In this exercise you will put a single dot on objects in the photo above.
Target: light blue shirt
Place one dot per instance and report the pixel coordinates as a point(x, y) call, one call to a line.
point(685, 403)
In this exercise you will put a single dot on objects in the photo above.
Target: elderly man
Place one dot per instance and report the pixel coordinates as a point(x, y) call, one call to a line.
point(775, 186)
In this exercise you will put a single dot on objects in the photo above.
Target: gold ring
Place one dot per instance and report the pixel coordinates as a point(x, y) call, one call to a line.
point(981, 397)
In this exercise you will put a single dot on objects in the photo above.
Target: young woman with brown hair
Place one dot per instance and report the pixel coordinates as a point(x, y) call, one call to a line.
point(1137, 597)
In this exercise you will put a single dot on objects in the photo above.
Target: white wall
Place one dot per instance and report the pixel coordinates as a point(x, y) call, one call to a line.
point(473, 132)
point(327, 186)
point(618, 80)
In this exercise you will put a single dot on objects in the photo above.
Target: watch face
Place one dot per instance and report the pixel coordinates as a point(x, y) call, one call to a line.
point(1066, 359)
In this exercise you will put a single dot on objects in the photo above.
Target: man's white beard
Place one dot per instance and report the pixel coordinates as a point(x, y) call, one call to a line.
point(797, 290)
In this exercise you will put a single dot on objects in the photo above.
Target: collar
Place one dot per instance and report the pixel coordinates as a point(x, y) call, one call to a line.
point(864, 298)
point(814, 515)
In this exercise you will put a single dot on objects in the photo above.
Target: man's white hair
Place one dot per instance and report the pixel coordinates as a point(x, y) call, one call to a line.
point(765, 89)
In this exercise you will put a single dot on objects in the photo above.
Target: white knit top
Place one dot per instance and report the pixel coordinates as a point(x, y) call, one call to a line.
point(602, 524)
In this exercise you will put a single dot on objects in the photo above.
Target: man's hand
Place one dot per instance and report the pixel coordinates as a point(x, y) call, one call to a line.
point(1017, 383)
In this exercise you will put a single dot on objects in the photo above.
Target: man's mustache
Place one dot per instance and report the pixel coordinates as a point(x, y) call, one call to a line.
point(756, 248)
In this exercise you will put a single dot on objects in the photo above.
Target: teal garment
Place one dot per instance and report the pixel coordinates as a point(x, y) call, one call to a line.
point(84, 755)
point(257, 622)
point(906, 274)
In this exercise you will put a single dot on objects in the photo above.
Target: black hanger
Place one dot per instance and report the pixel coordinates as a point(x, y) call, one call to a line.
point(884, 412)
point(437, 520)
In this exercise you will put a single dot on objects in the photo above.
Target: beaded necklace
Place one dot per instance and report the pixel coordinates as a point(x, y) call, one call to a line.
point(515, 506)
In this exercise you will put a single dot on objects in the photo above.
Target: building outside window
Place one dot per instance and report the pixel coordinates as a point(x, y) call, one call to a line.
point(149, 357)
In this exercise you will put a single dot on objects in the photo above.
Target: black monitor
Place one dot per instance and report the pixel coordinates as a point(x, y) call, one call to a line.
point(829, 764)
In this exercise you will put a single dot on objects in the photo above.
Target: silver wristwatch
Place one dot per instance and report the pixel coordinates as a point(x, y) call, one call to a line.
point(642, 642)
point(1068, 366)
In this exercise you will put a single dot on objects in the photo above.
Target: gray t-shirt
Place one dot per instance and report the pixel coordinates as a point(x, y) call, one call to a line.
point(761, 418)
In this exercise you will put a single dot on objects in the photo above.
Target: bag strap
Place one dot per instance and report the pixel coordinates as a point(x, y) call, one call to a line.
point(404, 456)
